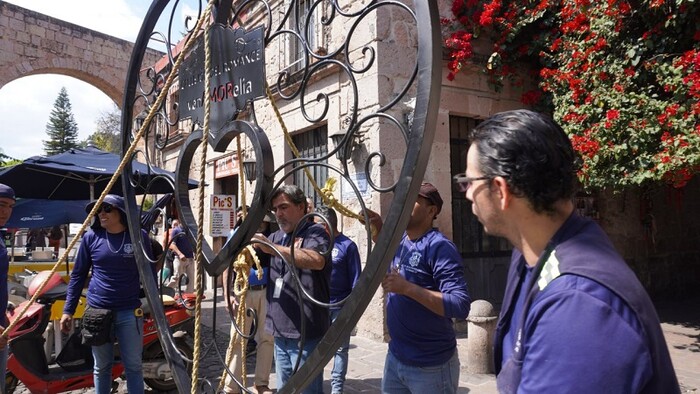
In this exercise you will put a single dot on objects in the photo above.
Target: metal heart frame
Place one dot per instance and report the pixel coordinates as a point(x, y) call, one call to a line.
point(216, 264)
point(421, 90)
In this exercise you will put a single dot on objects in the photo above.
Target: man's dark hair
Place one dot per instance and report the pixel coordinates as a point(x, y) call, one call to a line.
point(531, 152)
point(294, 192)
point(329, 214)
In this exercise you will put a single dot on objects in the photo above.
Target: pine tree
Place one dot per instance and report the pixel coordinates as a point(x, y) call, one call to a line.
point(61, 128)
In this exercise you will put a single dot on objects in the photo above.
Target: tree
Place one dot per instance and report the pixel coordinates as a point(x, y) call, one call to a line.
point(6, 161)
point(107, 135)
point(622, 77)
point(61, 128)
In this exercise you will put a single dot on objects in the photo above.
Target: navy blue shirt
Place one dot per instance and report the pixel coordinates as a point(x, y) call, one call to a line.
point(346, 268)
point(420, 337)
point(4, 267)
point(283, 314)
point(590, 326)
point(115, 278)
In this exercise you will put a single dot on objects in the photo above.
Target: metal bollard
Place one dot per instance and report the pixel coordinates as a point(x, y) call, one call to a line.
point(481, 328)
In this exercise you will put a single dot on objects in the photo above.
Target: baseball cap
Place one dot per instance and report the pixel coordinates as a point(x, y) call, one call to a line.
point(7, 192)
point(430, 192)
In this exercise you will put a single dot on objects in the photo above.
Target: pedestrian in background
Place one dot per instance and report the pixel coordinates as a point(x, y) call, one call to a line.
point(574, 317)
point(256, 299)
point(425, 290)
point(7, 202)
point(183, 254)
point(344, 275)
point(55, 237)
point(114, 286)
point(311, 262)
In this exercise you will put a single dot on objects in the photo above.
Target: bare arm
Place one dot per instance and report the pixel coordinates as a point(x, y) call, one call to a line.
point(303, 258)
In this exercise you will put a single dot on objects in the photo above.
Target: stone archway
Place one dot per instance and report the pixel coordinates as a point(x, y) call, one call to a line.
point(32, 43)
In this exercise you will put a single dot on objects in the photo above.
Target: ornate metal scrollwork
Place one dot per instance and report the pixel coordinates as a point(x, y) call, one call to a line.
point(306, 42)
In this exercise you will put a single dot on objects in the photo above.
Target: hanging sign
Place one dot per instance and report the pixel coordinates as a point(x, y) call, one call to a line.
point(223, 214)
point(237, 75)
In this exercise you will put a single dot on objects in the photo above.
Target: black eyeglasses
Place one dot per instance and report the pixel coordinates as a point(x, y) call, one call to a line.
point(463, 181)
point(106, 208)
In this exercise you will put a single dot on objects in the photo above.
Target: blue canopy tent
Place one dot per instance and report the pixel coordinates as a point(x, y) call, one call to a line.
point(34, 213)
point(80, 174)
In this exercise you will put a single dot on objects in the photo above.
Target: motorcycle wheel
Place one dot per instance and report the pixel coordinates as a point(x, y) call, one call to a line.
point(157, 352)
point(11, 382)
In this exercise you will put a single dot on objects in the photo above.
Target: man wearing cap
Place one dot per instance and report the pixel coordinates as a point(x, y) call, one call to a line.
point(7, 202)
point(425, 290)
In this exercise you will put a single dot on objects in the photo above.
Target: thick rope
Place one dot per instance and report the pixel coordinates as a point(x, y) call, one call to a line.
point(242, 265)
point(125, 159)
point(245, 260)
point(200, 215)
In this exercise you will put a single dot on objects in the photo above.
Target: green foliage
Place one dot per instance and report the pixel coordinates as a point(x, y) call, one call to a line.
point(107, 135)
point(622, 78)
point(61, 128)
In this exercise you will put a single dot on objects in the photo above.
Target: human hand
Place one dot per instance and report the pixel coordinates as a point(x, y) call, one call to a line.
point(3, 339)
point(261, 246)
point(395, 283)
point(66, 323)
point(375, 223)
point(233, 305)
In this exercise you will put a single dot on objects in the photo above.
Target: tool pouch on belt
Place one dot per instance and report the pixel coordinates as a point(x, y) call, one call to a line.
point(97, 326)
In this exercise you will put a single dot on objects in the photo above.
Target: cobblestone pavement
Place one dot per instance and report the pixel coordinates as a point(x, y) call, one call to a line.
point(681, 325)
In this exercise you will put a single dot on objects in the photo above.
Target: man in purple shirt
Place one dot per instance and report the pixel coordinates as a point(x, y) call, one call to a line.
point(574, 318)
point(425, 289)
point(344, 275)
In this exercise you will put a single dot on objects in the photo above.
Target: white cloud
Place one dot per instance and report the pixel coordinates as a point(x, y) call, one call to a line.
point(25, 106)
point(25, 103)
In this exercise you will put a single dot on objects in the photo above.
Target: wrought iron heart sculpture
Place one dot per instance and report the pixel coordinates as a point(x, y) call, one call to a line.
point(216, 263)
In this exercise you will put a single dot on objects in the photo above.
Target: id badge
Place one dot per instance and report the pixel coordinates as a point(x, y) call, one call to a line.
point(279, 282)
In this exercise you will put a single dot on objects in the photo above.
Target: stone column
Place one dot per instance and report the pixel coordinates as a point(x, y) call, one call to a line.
point(481, 328)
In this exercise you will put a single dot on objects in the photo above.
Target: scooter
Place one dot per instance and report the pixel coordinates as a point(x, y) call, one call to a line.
point(72, 368)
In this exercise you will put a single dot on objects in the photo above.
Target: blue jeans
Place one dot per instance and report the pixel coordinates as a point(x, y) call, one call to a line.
point(286, 353)
point(340, 361)
point(402, 378)
point(128, 329)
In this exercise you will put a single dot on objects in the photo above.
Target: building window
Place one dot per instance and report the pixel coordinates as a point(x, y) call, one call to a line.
point(312, 144)
point(468, 233)
point(296, 55)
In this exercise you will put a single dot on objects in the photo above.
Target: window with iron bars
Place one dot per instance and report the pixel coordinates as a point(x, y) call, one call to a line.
point(296, 49)
point(468, 232)
point(312, 144)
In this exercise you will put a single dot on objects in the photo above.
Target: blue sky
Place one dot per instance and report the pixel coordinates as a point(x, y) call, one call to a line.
point(26, 113)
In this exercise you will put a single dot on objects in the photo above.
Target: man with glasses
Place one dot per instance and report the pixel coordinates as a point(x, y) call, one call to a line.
point(301, 255)
point(7, 202)
point(574, 317)
point(425, 290)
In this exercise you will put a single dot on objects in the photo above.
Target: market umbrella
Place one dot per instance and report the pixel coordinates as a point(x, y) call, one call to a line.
point(80, 174)
point(35, 213)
